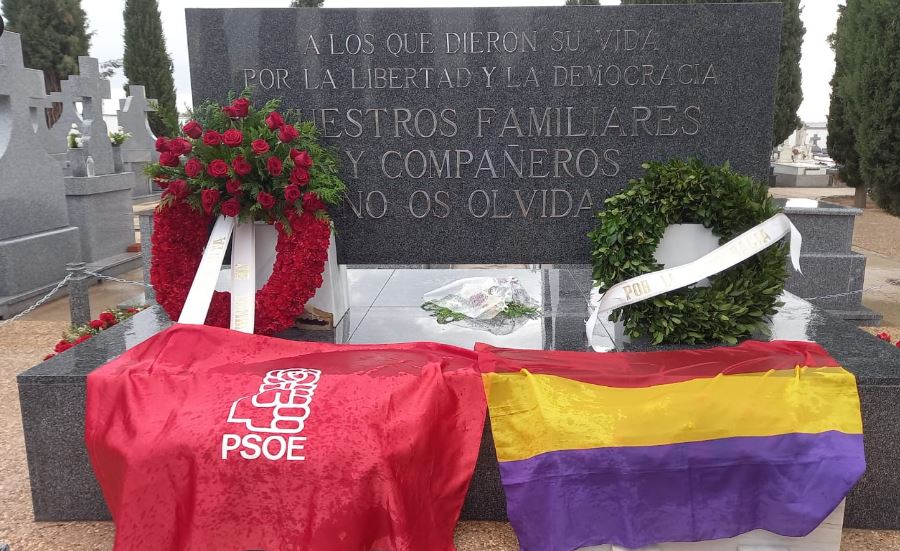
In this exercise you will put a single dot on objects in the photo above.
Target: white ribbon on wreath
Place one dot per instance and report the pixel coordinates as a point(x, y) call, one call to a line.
point(243, 275)
point(646, 286)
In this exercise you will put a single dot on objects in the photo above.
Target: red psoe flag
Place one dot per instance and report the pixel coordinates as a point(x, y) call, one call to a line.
point(204, 438)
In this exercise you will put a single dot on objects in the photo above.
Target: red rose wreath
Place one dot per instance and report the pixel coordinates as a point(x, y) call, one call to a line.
point(240, 162)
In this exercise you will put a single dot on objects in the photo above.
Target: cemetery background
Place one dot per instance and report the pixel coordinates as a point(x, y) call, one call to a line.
point(22, 344)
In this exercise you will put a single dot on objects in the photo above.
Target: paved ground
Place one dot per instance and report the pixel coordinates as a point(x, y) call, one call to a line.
point(23, 344)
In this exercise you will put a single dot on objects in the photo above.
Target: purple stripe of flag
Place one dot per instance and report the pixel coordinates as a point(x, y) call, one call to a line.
point(637, 496)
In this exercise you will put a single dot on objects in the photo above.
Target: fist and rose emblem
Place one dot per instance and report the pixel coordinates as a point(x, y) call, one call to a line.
point(274, 417)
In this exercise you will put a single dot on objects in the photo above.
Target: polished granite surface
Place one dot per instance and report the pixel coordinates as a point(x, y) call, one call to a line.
point(385, 307)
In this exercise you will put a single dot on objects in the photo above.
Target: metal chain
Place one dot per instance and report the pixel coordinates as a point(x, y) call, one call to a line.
point(31, 308)
point(116, 279)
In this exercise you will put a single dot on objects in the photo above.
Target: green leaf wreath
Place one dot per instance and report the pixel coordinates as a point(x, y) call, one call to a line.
point(738, 301)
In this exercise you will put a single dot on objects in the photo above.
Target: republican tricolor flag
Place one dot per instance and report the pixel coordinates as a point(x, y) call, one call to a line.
point(642, 448)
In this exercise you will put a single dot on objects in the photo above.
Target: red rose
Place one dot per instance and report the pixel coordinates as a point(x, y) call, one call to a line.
point(885, 336)
point(312, 203)
point(167, 158)
point(231, 207)
point(240, 107)
point(132, 310)
point(217, 168)
point(109, 318)
point(292, 193)
point(274, 166)
point(178, 188)
point(274, 120)
point(209, 198)
point(233, 137)
point(193, 167)
point(180, 146)
point(82, 338)
point(265, 200)
point(241, 166)
point(259, 146)
point(193, 129)
point(62, 346)
point(302, 158)
point(160, 183)
point(299, 176)
point(162, 144)
point(212, 138)
point(229, 112)
point(233, 186)
point(97, 324)
point(287, 133)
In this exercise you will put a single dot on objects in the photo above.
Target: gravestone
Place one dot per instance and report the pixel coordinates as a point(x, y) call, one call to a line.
point(132, 115)
point(56, 140)
point(36, 239)
point(100, 205)
point(90, 89)
point(140, 149)
point(502, 125)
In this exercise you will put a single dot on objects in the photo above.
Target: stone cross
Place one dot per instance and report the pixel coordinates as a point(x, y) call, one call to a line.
point(32, 194)
point(132, 115)
point(815, 139)
point(57, 138)
point(91, 90)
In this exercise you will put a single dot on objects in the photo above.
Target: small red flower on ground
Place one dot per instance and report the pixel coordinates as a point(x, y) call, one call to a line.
point(108, 318)
point(884, 335)
point(97, 324)
point(82, 338)
point(62, 346)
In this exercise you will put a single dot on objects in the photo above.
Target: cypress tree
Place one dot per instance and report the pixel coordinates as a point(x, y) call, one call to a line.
point(841, 137)
point(146, 62)
point(788, 91)
point(54, 33)
point(306, 3)
point(870, 88)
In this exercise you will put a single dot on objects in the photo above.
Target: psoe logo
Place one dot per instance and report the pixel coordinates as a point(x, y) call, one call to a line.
point(274, 417)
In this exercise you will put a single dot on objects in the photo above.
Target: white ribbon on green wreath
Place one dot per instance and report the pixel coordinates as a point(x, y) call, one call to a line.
point(742, 247)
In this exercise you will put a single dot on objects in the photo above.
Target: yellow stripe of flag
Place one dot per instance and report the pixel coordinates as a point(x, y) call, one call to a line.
point(533, 414)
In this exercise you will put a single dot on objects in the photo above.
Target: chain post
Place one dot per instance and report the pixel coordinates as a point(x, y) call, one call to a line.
point(79, 299)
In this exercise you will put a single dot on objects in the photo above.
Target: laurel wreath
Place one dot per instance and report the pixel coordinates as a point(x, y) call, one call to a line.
point(738, 302)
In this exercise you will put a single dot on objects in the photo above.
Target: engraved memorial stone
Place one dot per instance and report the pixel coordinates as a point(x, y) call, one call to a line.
point(493, 134)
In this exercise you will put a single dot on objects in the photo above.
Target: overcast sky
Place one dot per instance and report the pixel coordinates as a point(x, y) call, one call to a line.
point(105, 20)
